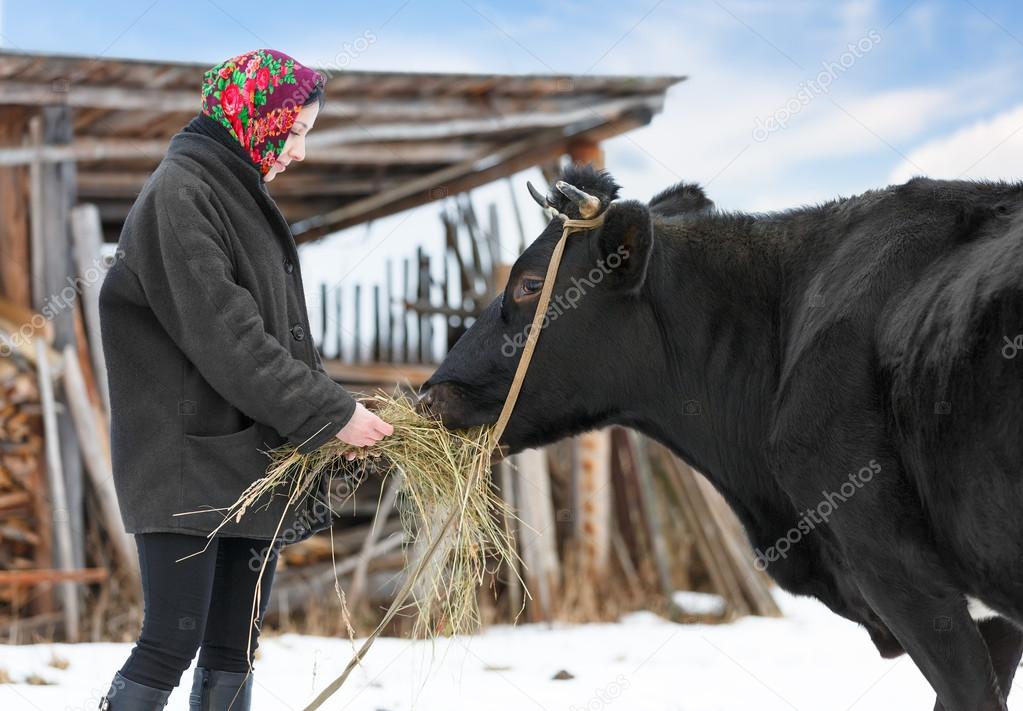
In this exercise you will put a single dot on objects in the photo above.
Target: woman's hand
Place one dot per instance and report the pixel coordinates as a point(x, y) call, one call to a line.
point(363, 429)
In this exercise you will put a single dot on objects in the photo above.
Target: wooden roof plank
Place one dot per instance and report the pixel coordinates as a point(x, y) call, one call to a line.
point(464, 176)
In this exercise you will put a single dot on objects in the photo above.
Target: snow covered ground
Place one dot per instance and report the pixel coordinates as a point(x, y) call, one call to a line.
point(809, 661)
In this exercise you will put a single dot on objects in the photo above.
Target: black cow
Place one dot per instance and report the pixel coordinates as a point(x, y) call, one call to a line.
point(786, 356)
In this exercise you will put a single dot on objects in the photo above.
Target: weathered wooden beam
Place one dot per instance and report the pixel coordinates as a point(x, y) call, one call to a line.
point(651, 501)
point(426, 307)
point(14, 202)
point(605, 110)
point(92, 432)
point(373, 373)
point(87, 235)
point(89, 150)
point(26, 578)
point(16, 500)
point(593, 502)
point(459, 178)
point(513, 193)
point(53, 194)
point(108, 184)
point(372, 110)
point(58, 493)
point(541, 566)
point(511, 565)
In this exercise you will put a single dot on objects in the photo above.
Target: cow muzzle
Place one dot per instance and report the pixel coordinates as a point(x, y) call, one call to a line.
point(455, 407)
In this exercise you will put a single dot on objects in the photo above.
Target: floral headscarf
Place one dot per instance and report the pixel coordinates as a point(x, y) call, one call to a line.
point(257, 96)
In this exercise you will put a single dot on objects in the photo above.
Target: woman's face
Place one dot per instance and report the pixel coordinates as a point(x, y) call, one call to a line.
point(294, 146)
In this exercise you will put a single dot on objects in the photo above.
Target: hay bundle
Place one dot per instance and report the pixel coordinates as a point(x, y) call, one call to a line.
point(441, 471)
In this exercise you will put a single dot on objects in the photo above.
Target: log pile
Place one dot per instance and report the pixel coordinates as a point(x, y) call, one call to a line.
point(24, 517)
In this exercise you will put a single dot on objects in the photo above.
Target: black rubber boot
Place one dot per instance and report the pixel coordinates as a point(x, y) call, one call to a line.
point(127, 695)
point(215, 690)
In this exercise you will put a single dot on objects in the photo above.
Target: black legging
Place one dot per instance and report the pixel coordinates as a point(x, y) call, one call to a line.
point(204, 602)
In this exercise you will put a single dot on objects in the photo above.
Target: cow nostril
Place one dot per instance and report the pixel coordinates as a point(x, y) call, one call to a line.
point(425, 401)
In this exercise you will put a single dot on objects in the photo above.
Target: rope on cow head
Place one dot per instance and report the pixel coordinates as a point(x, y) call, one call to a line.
point(590, 220)
point(569, 225)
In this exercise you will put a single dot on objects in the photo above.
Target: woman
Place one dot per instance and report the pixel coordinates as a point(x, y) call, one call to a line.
point(210, 360)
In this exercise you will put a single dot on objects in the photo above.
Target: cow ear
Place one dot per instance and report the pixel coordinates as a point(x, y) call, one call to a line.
point(625, 241)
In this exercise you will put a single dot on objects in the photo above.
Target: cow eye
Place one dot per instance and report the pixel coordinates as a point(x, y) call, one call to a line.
point(530, 286)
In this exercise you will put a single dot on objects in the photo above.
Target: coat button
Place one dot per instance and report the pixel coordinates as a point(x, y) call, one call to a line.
point(288, 266)
point(298, 332)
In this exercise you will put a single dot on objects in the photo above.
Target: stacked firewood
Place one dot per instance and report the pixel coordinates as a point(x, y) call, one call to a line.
point(24, 518)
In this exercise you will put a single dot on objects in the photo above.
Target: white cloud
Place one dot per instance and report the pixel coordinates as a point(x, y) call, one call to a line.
point(992, 148)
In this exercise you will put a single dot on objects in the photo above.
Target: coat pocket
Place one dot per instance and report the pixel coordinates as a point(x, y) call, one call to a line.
point(218, 468)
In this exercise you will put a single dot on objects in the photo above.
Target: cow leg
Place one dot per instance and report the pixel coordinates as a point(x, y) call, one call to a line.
point(875, 518)
point(1004, 642)
point(904, 580)
point(934, 627)
point(1005, 646)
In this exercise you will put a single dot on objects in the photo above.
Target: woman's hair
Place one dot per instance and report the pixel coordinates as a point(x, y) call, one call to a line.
point(315, 95)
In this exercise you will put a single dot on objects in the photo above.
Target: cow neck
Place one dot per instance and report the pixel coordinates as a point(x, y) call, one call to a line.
point(715, 299)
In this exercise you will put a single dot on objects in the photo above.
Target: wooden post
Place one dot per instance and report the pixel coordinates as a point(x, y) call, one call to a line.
point(651, 506)
point(357, 590)
point(585, 150)
point(514, 581)
point(338, 323)
point(324, 316)
point(357, 338)
point(425, 350)
point(378, 335)
point(593, 502)
point(518, 216)
point(92, 433)
point(450, 330)
point(58, 497)
point(537, 531)
point(592, 475)
point(407, 316)
point(389, 301)
point(53, 186)
point(87, 233)
point(14, 223)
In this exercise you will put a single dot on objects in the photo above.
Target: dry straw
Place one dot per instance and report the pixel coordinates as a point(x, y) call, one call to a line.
point(440, 471)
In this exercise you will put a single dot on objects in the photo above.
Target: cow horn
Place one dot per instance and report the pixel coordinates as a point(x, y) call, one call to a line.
point(541, 200)
point(588, 205)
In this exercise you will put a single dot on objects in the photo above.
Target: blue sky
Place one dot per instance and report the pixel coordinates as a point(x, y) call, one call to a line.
point(937, 67)
point(929, 87)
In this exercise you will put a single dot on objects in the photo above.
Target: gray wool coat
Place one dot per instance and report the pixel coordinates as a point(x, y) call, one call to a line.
point(209, 354)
